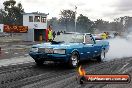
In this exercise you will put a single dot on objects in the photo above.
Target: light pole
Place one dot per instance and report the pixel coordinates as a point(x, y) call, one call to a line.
point(75, 17)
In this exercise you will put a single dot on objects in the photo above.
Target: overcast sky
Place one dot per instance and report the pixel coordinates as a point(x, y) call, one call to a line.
point(94, 9)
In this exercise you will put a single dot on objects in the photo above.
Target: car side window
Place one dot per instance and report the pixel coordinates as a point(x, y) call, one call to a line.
point(88, 39)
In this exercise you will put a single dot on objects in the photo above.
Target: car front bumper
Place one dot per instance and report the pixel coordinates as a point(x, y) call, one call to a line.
point(50, 57)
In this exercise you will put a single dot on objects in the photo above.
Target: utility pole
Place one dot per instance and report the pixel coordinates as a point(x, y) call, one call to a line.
point(75, 17)
point(66, 23)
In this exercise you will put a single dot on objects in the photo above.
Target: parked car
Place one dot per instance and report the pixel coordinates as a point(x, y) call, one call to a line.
point(70, 49)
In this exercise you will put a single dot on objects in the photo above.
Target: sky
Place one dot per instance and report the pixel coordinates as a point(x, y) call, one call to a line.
point(94, 9)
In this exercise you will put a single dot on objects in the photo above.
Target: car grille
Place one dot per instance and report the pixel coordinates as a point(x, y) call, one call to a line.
point(49, 50)
point(41, 50)
point(46, 50)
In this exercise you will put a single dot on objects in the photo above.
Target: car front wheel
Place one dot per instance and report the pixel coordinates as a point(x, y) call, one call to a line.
point(73, 61)
point(39, 62)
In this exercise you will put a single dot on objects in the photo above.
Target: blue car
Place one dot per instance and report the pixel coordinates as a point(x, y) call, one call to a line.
point(70, 49)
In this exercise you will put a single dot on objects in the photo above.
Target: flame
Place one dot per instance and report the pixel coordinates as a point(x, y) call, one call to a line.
point(81, 71)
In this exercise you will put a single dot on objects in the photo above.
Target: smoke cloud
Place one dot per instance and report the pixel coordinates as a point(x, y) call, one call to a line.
point(119, 48)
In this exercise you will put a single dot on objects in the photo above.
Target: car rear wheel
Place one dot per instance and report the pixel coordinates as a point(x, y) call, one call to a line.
point(73, 61)
point(39, 62)
point(101, 57)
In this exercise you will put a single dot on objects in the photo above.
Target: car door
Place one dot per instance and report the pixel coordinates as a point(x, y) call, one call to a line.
point(88, 46)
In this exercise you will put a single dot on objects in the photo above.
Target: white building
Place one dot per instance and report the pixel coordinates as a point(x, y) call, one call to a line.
point(37, 25)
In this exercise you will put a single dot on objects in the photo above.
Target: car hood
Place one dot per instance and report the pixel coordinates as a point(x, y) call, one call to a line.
point(58, 46)
point(102, 42)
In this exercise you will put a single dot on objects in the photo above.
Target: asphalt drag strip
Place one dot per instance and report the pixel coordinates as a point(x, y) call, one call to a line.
point(59, 76)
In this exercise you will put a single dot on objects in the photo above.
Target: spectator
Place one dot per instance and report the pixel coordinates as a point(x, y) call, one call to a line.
point(54, 34)
point(103, 35)
point(58, 33)
point(61, 32)
point(47, 31)
point(49, 34)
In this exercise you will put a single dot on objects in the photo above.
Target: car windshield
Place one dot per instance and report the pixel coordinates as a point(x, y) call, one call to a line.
point(70, 38)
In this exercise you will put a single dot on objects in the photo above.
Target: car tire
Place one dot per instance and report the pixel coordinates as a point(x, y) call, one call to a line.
point(81, 79)
point(73, 61)
point(39, 62)
point(101, 57)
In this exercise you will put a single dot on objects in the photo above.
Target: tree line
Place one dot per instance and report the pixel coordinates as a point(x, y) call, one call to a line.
point(12, 14)
point(84, 24)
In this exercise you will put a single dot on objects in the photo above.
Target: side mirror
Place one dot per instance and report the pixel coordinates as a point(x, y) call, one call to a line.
point(94, 42)
point(84, 43)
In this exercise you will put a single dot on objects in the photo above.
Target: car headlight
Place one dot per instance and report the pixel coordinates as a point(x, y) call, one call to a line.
point(34, 49)
point(60, 51)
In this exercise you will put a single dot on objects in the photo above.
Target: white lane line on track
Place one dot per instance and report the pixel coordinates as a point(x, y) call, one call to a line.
point(3, 49)
point(26, 54)
point(123, 67)
point(13, 64)
point(127, 70)
point(6, 52)
point(16, 61)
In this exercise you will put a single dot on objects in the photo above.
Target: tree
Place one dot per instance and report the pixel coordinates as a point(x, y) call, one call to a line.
point(67, 19)
point(102, 25)
point(84, 24)
point(54, 22)
point(13, 12)
point(2, 16)
point(124, 23)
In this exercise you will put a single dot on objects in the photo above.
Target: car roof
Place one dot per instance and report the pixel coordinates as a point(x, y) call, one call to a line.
point(71, 33)
point(76, 33)
point(87, 33)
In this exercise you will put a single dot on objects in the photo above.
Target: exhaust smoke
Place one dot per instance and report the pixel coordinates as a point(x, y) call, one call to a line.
point(119, 48)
